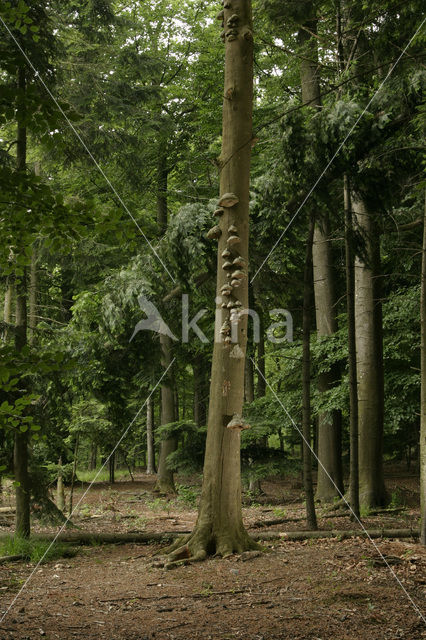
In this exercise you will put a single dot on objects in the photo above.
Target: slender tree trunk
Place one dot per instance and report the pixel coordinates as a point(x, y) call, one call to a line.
point(423, 390)
point(74, 473)
point(369, 361)
point(261, 378)
point(165, 481)
point(306, 382)
point(353, 389)
point(60, 493)
point(219, 528)
point(20, 454)
point(93, 456)
point(330, 473)
point(111, 467)
point(7, 308)
point(150, 451)
point(200, 391)
point(248, 380)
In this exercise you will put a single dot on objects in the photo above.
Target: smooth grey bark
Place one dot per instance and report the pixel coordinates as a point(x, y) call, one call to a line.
point(368, 326)
point(150, 450)
point(330, 472)
point(219, 528)
point(353, 388)
point(423, 390)
point(306, 382)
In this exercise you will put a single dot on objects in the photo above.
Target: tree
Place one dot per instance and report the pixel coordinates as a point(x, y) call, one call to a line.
point(423, 389)
point(219, 528)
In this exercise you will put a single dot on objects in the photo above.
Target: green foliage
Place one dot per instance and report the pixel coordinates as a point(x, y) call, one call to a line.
point(35, 550)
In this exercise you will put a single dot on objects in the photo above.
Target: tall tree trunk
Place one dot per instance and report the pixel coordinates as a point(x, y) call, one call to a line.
point(330, 473)
point(368, 322)
point(20, 454)
point(165, 481)
point(7, 308)
point(261, 378)
point(353, 389)
point(60, 493)
point(423, 389)
point(219, 528)
point(150, 451)
point(200, 391)
point(111, 468)
point(248, 379)
point(306, 382)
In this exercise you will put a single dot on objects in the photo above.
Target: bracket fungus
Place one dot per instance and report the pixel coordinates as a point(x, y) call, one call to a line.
point(233, 240)
point(226, 328)
point(237, 422)
point(235, 283)
point(219, 212)
point(232, 229)
point(214, 233)
point(228, 200)
point(226, 253)
point(239, 275)
point(227, 265)
point(239, 262)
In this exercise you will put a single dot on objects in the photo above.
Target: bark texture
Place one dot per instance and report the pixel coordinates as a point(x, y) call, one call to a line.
point(353, 389)
point(306, 382)
point(369, 361)
point(150, 451)
point(423, 391)
point(219, 528)
point(165, 481)
point(20, 452)
point(330, 474)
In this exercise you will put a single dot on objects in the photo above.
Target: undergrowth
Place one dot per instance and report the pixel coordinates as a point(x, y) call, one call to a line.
point(35, 550)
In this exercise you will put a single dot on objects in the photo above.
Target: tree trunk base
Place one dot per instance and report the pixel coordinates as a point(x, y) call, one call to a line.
point(203, 542)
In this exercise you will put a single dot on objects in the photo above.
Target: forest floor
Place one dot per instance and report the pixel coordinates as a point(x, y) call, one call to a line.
point(313, 589)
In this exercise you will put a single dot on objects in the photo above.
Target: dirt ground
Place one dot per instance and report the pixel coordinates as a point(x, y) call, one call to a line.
point(316, 589)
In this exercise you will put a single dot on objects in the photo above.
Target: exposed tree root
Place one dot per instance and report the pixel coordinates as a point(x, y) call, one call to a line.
point(203, 542)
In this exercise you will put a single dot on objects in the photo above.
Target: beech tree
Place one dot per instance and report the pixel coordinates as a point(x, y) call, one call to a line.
point(423, 389)
point(219, 528)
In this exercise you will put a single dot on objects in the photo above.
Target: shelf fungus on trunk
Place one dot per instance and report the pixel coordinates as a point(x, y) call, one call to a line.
point(237, 352)
point(228, 200)
point(226, 328)
point(239, 262)
point(232, 229)
point(237, 422)
point(231, 35)
point(238, 274)
point(226, 290)
point(214, 233)
point(233, 240)
point(232, 21)
point(226, 253)
point(219, 212)
point(235, 283)
point(227, 265)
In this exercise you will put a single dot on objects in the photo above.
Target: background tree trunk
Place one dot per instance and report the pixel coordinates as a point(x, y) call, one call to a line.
point(150, 450)
point(353, 389)
point(60, 493)
point(423, 390)
point(7, 307)
point(20, 453)
point(165, 481)
point(306, 382)
point(369, 361)
point(330, 473)
point(219, 528)
point(200, 391)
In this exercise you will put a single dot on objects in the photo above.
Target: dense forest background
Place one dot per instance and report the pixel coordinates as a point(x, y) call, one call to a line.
point(110, 132)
